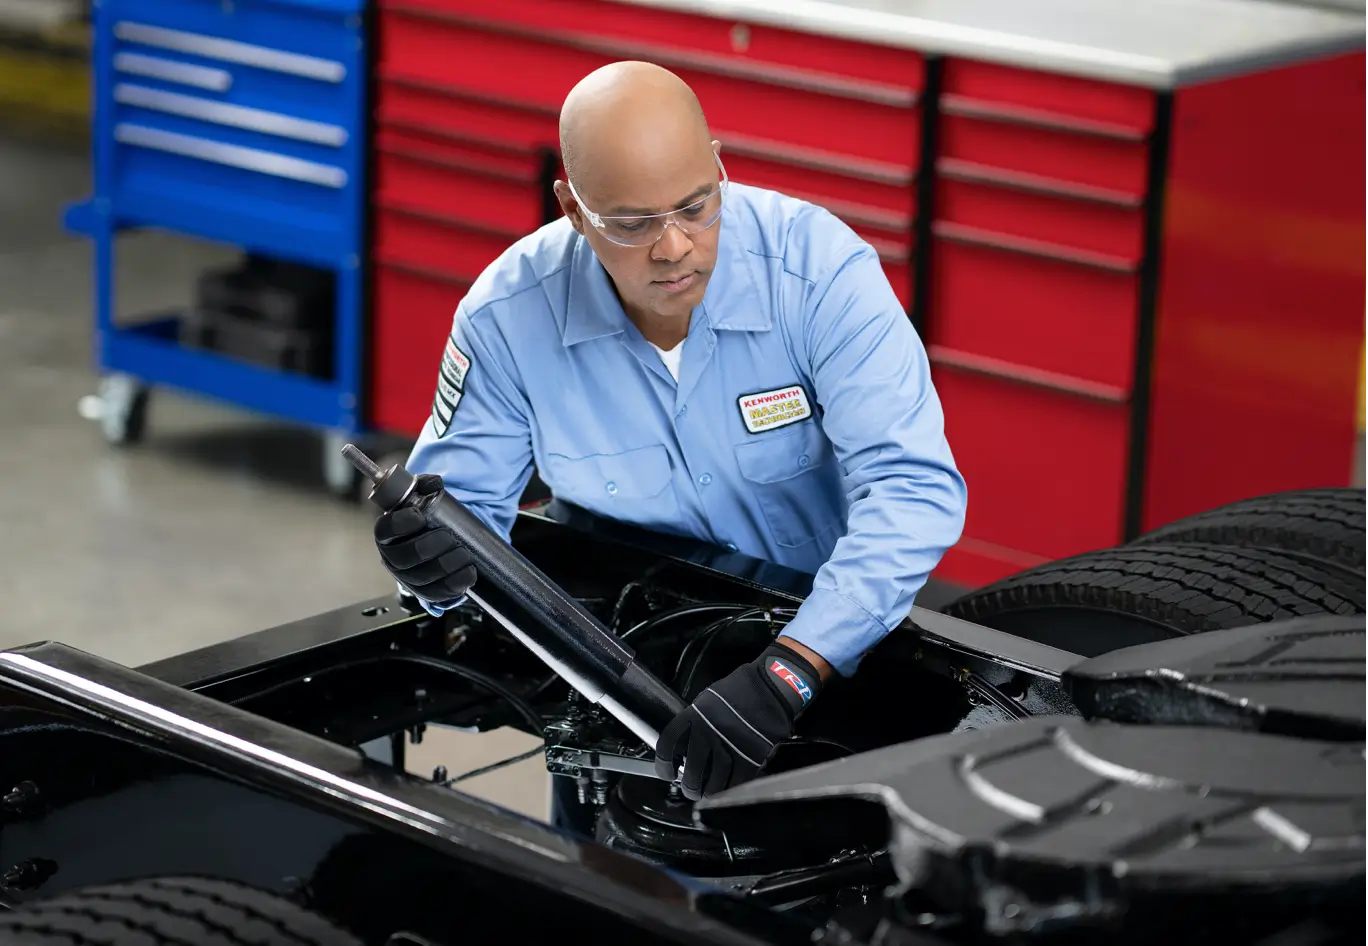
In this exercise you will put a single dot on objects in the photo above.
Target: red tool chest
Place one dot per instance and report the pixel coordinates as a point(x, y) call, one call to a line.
point(1137, 302)
point(466, 126)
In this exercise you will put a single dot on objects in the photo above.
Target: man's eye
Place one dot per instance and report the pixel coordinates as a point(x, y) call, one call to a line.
point(694, 211)
point(631, 227)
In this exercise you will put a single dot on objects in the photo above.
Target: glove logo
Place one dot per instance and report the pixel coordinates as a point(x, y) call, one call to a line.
point(792, 679)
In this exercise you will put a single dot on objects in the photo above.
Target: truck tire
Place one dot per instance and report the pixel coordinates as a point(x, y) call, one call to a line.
point(1324, 524)
point(1102, 601)
point(170, 911)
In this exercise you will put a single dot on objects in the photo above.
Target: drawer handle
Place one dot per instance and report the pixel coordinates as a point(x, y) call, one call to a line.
point(236, 116)
point(423, 272)
point(965, 107)
point(1035, 377)
point(262, 57)
point(854, 214)
point(400, 209)
point(445, 162)
point(249, 159)
point(957, 169)
point(890, 252)
point(830, 162)
point(974, 236)
point(201, 77)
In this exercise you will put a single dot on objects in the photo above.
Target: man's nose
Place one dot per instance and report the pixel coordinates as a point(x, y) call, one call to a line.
point(672, 246)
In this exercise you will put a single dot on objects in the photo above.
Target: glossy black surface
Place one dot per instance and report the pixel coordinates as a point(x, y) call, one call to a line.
point(1300, 677)
point(136, 777)
point(238, 760)
point(921, 680)
point(1135, 833)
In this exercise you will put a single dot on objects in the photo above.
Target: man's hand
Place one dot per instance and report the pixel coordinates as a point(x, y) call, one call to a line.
point(432, 563)
point(733, 726)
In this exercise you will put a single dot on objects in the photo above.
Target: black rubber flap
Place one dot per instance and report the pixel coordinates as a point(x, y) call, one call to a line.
point(1301, 677)
point(1057, 822)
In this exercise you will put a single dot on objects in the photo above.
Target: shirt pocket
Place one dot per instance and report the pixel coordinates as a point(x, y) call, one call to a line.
point(794, 478)
point(633, 486)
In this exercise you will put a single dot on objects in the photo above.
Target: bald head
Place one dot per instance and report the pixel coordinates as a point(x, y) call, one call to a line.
point(627, 114)
point(635, 144)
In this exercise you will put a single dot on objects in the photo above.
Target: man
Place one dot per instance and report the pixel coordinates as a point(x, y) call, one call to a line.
point(706, 359)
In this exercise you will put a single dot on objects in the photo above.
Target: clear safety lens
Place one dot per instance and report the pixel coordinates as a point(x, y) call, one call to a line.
point(646, 230)
point(642, 231)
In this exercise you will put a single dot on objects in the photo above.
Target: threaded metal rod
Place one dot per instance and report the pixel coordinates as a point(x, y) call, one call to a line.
point(364, 464)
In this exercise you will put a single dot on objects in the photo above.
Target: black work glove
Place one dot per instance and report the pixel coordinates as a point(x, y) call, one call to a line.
point(733, 726)
point(432, 563)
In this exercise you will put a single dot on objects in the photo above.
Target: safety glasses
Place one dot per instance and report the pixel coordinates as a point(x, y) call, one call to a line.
point(648, 229)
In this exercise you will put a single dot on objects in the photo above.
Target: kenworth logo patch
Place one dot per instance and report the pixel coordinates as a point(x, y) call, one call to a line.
point(766, 410)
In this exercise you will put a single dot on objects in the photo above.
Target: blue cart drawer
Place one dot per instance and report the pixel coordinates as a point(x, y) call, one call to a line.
point(247, 116)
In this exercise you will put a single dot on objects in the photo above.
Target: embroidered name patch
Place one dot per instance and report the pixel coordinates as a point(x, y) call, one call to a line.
point(450, 386)
point(767, 410)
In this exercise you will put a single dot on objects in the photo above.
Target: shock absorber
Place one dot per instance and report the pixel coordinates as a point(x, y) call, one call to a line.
point(567, 638)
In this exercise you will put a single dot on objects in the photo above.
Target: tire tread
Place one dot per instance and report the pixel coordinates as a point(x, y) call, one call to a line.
point(1190, 588)
point(169, 912)
point(1326, 524)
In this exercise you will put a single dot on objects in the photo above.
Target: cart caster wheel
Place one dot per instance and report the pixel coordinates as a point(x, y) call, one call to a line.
point(342, 478)
point(120, 407)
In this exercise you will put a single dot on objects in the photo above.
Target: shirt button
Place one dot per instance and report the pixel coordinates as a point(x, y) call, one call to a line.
point(705, 479)
point(684, 410)
point(612, 489)
point(804, 460)
point(731, 546)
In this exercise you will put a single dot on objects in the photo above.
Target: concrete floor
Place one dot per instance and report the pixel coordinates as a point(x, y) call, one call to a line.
point(216, 525)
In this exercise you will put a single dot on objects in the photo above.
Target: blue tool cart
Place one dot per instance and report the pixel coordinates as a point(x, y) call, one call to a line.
point(241, 122)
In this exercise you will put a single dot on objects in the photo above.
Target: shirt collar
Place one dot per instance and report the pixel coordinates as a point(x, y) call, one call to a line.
point(732, 301)
point(733, 298)
point(592, 309)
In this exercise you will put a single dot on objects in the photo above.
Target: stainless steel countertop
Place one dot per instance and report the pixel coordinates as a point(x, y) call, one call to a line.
point(1160, 44)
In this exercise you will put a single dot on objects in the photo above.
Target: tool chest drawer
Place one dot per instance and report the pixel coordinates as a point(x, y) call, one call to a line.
point(1089, 226)
point(1068, 162)
point(535, 69)
point(413, 313)
point(470, 183)
point(626, 31)
point(1046, 469)
point(405, 103)
point(1052, 315)
point(876, 200)
point(251, 110)
point(435, 243)
point(1048, 98)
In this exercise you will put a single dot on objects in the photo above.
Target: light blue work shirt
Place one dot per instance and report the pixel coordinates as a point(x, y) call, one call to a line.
point(804, 428)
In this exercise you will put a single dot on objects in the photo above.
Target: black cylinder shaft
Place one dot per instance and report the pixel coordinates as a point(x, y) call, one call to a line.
point(561, 625)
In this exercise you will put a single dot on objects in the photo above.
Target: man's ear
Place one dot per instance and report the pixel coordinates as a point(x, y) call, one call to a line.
point(568, 205)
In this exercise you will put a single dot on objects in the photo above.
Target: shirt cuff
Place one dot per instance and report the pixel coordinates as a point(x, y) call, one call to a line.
point(837, 628)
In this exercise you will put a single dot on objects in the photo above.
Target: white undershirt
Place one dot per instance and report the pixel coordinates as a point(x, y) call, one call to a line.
point(671, 358)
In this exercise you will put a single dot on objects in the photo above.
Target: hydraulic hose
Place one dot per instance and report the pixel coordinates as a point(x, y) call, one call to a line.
point(567, 638)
